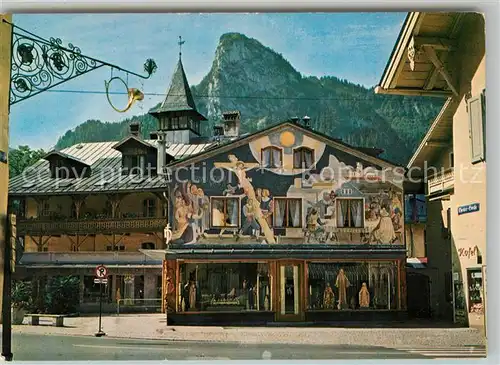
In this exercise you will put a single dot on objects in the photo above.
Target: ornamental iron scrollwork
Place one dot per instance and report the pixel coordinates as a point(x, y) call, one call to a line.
point(38, 64)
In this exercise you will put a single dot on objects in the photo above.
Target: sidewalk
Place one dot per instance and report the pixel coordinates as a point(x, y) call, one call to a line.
point(153, 326)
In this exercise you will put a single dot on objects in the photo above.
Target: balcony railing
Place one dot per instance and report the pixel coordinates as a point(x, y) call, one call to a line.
point(441, 182)
point(90, 226)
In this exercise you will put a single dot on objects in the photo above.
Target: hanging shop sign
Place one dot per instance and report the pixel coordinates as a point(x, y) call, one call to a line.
point(468, 208)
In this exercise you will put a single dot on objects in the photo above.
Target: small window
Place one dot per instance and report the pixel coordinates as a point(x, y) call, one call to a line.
point(175, 123)
point(271, 157)
point(350, 213)
point(225, 212)
point(303, 158)
point(475, 109)
point(148, 246)
point(287, 213)
point(45, 209)
point(131, 164)
point(452, 160)
point(149, 208)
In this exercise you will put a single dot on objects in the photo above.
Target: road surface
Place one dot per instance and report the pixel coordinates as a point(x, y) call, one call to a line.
point(34, 347)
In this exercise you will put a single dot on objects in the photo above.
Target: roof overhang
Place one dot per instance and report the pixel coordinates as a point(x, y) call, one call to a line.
point(419, 63)
point(130, 139)
point(281, 251)
point(63, 155)
point(438, 137)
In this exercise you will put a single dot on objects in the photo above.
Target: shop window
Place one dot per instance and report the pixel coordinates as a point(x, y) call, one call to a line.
point(271, 157)
point(91, 290)
point(149, 208)
point(225, 287)
point(303, 158)
point(353, 286)
point(225, 212)
point(475, 286)
point(287, 213)
point(350, 213)
point(158, 286)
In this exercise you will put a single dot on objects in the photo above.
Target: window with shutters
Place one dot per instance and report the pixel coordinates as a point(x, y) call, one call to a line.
point(475, 107)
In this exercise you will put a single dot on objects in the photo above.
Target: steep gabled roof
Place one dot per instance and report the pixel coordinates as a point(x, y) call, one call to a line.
point(334, 142)
point(64, 156)
point(132, 138)
point(179, 97)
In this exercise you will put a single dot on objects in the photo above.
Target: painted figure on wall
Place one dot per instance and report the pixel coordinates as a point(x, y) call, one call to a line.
point(342, 283)
point(314, 227)
point(364, 297)
point(267, 206)
point(240, 168)
point(384, 231)
point(328, 297)
point(250, 226)
point(183, 215)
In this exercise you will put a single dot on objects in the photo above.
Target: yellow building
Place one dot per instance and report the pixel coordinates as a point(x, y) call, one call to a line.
point(443, 55)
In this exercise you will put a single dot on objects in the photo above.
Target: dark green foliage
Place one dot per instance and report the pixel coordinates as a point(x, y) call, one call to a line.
point(21, 295)
point(21, 158)
point(62, 294)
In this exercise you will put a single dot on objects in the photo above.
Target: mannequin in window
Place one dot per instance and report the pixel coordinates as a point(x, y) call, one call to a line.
point(342, 283)
point(364, 297)
point(328, 297)
point(192, 295)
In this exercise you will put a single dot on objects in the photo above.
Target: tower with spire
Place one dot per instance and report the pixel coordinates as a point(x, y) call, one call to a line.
point(178, 118)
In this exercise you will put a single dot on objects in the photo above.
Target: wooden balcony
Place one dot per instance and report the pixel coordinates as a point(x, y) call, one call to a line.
point(441, 182)
point(90, 226)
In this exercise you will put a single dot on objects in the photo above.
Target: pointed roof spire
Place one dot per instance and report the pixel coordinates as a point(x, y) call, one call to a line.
point(179, 97)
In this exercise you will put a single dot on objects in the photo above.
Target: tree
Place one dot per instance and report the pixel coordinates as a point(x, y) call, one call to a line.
point(21, 158)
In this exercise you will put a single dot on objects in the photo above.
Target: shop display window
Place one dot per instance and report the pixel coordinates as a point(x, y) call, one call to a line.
point(475, 286)
point(224, 287)
point(353, 286)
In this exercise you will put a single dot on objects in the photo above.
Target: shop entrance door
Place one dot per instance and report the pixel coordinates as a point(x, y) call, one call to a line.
point(290, 301)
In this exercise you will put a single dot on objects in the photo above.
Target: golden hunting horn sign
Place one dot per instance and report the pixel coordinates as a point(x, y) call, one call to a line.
point(133, 94)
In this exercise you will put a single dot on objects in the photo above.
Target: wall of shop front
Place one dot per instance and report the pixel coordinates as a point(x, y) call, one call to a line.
point(469, 230)
point(265, 291)
point(140, 289)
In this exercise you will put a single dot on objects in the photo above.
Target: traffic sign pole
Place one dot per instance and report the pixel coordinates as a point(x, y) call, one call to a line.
point(101, 274)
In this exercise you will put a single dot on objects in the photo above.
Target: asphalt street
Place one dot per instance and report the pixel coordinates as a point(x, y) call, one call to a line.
point(30, 347)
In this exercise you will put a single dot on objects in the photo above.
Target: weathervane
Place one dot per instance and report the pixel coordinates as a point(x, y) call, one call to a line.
point(38, 64)
point(180, 43)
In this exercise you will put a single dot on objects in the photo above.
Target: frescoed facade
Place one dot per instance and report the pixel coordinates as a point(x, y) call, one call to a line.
point(285, 224)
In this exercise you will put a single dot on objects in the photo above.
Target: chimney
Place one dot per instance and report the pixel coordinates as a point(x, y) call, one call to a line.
point(218, 131)
point(135, 129)
point(232, 123)
point(161, 152)
point(307, 122)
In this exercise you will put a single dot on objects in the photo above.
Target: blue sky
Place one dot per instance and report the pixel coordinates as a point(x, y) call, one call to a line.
point(354, 46)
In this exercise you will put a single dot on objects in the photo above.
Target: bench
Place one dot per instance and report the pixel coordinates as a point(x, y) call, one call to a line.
point(58, 319)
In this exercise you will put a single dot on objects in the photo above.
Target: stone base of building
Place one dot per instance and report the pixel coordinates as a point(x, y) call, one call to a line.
point(331, 318)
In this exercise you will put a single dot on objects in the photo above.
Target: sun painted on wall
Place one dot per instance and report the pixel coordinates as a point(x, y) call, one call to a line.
point(287, 151)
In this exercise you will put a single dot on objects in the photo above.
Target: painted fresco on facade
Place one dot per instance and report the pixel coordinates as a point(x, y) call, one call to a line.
point(262, 198)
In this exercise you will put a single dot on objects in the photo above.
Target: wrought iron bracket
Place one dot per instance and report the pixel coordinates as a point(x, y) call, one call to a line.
point(38, 64)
